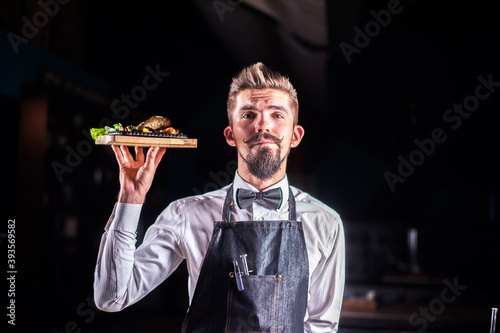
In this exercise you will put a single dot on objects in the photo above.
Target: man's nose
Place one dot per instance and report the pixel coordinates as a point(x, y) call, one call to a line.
point(264, 124)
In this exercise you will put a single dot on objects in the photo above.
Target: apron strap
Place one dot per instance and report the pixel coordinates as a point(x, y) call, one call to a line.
point(228, 203)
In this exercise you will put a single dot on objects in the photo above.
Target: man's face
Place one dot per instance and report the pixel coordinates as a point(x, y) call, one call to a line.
point(263, 130)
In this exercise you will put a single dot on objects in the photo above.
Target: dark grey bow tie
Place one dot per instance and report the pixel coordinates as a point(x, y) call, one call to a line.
point(272, 197)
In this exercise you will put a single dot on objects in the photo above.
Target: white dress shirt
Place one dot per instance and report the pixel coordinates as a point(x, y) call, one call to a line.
point(183, 231)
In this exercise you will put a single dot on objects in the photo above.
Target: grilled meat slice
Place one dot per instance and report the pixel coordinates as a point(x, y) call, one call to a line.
point(156, 123)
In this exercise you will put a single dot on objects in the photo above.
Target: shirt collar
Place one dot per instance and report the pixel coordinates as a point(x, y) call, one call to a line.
point(241, 183)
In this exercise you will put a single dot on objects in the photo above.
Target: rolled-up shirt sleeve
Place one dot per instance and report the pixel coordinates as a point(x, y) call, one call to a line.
point(124, 274)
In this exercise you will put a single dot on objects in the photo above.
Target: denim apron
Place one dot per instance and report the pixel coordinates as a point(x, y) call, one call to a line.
point(254, 277)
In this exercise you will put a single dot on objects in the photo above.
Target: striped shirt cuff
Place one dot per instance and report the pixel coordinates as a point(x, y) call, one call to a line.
point(125, 217)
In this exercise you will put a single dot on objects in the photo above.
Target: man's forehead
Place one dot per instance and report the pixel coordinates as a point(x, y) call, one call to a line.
point(267, 95)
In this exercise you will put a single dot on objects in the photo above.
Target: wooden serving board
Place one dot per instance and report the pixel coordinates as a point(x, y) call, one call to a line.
point(144, 141)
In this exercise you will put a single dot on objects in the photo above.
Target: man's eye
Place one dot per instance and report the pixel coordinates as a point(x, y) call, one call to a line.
point(247, 115)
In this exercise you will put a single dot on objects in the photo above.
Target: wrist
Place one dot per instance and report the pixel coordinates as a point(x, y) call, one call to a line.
point(133, 198)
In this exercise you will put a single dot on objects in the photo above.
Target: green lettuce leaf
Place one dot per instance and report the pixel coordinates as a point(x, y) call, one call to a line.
point(95, 132)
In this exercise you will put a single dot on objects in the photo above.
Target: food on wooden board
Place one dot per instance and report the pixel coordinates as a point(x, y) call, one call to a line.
point(155, 124)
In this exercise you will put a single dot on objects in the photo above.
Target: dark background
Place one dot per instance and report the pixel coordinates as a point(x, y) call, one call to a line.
point(362, 116)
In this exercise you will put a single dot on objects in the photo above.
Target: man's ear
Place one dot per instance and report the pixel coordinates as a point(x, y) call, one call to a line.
point(298, 134)
point(228, 134)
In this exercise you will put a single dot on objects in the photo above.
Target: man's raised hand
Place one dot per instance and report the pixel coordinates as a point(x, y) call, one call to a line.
point(136, 176)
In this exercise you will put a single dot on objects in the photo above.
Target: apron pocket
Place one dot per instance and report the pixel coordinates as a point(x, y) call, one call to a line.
point(254, 309)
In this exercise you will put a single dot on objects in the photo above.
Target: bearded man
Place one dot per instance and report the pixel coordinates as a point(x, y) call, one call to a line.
point(262, 256)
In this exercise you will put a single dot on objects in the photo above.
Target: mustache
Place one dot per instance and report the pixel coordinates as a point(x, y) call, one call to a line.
point(260, 136)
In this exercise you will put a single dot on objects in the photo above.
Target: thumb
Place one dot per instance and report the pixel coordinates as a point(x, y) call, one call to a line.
point(159, 156)
point(153, 157)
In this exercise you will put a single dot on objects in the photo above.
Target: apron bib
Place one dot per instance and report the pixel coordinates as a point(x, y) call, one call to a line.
point(272, 297)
